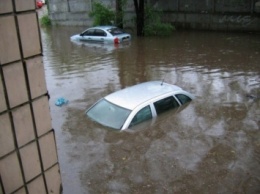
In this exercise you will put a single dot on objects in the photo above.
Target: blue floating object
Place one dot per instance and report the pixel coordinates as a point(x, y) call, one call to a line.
point(61, 101)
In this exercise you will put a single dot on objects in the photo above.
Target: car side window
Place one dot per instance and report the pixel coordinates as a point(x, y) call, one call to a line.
point(89, 32)
point(183, 98)
point(143, 115)
point(165, 104)
point(99, 32)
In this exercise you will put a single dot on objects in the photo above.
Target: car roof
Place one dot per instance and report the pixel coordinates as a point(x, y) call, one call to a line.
point(133, 96)
point(103, 27)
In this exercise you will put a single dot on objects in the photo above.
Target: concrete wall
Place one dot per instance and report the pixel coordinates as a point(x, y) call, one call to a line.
point(238, 15)
point(241, 15)
point(73, 12)
point(28, 155)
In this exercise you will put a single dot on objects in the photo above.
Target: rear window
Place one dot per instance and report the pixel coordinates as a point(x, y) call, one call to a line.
point(115, 31)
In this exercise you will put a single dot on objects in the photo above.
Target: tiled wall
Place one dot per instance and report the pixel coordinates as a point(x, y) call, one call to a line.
point(28, 154)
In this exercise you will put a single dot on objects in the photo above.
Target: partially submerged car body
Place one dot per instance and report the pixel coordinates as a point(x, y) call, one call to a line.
point(135, 104)
point(103, 34)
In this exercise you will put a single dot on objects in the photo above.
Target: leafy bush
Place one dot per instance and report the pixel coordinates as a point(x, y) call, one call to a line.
point(45, 20)
point(101, 14)
point(158, 29)
point(153, 25)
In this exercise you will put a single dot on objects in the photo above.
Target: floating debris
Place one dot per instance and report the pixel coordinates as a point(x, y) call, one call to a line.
point(61, 101)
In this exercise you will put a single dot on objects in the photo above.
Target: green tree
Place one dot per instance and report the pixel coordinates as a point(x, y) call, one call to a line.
point(153, 26)
point(139, 11)
point(148, 20)
point(119, 13)
point(102, 15)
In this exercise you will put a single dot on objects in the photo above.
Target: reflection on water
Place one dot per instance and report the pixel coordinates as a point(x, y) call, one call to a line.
point(210, 146)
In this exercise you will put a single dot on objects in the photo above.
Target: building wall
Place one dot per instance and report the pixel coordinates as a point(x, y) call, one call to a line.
point(28, 154)
point(73, 12)
point(230, 15)
point(237, 15)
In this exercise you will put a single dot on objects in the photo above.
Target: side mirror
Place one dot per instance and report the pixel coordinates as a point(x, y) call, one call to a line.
point(81, 34)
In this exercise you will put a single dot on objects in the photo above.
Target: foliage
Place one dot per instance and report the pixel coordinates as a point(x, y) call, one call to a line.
point(45, 20)
point(158, 29)
point(101, 14)
point(154, 26)
point(121, 5)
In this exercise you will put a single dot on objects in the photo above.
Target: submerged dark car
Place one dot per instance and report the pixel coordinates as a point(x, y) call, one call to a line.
point(132, 105)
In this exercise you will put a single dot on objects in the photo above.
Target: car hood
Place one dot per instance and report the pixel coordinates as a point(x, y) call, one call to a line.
point(75, 37)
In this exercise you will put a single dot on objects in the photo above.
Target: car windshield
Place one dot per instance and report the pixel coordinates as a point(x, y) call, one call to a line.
point(108, 114)
point(115, 31)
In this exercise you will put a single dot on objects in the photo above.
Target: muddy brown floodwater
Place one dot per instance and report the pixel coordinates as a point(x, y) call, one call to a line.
point(210, 146)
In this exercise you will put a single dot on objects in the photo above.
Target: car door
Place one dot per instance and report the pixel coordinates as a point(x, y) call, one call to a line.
point(165, 104)
point(183, 98)
point(142, 115)
point(99, 35)
point(88, 35)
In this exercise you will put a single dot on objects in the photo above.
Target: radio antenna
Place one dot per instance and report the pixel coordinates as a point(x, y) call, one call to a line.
point(162, 81)
point(164, 77)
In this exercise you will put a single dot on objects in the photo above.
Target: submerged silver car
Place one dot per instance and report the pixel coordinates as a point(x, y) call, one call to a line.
point(132, 105)
point(102, 34)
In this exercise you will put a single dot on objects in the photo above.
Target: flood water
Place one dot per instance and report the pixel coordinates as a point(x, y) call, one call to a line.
point(210, 146)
